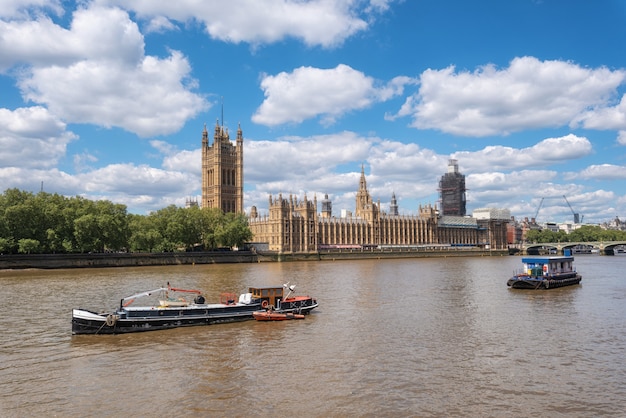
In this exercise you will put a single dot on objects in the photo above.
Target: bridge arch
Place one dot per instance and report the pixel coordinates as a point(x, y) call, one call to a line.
point(604, 247)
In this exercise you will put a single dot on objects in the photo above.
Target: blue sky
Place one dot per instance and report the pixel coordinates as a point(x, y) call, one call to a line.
point(107, 99)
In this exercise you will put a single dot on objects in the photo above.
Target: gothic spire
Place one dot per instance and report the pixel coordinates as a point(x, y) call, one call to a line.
point(362, 182)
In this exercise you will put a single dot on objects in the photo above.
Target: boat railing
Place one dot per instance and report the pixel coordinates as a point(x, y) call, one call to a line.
point(525, 273)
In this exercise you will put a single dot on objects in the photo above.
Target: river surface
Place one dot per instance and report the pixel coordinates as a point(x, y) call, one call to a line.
point(415, 337)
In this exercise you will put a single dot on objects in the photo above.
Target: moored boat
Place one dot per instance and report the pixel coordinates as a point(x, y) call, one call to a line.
point(174, 311)
point(272, 315)
point(274, 297)
point(545, 273)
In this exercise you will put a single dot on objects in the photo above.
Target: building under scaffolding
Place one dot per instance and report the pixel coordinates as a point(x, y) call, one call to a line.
point(452, 191)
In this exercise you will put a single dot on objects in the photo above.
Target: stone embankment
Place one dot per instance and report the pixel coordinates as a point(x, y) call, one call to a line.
point(54, 261)
point(377, 254)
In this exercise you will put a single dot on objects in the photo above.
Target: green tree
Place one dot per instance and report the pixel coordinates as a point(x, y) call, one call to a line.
point(211, 219)
point(533, 235)
point(113, 225)
point(233, 230)
point(144, 233)
point(87, 233)
point(163, 220)
point(54, 241)
point(27, 245)
point(76, 224)
point(586, 233)
point(6, 245)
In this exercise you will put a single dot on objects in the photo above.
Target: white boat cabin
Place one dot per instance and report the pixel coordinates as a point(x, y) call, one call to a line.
point(547, 266)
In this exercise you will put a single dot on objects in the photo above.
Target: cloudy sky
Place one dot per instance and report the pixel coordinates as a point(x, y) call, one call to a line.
point(107, 99)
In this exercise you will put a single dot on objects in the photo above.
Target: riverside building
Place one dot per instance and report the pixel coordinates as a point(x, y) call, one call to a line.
point(294, 225)
point(222, 170)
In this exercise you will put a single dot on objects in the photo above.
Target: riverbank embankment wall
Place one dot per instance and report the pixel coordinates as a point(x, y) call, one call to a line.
point(376, 254)
point(52, 261)
point(56, 261)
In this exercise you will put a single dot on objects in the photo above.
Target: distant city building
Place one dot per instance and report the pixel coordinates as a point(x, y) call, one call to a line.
point(615, 224)
point(222, 170)
point(452, 191)
point(517, 230)
point(491, 213)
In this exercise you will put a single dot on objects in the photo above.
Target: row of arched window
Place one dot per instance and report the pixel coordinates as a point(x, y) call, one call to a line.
point(229, 177)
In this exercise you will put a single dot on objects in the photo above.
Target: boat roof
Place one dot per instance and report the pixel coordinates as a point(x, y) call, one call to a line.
point(266, 287)
point(547, 259)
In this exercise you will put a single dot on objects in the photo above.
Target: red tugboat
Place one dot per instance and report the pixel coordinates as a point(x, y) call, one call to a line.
point(280, 307)
point(274, 297)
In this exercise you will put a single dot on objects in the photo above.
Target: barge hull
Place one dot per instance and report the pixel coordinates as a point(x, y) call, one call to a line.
point(543, 284)
point(87, 322)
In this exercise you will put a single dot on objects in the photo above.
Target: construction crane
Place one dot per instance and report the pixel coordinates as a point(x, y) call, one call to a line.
point(577, 218)
point(538, 207)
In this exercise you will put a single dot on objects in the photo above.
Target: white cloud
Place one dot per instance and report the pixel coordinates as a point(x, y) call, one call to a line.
point(32, 138)
point(125, 178)
point(95, 34)
point(96, 72)
point(309, 92)
point(610, 117)
point(160, 24)
point(379, 5)
point(497, 182)
point(34, 179)
point(604, 172)
point(25, 8)
point(292, 159)
point(82, 161)
point(147, 100)
point(528, 94)
point(391, 159)
point(315, 22)
point(184, 161)
point(548, 151)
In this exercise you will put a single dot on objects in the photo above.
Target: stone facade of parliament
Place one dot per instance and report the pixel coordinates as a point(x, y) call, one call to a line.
point(222, 170)
point(294, 225)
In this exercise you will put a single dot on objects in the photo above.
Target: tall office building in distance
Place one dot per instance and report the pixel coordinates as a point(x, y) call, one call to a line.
point(222, 170)
point(452, 191)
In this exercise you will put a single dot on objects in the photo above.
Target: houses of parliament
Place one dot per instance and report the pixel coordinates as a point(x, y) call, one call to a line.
point(294, 225)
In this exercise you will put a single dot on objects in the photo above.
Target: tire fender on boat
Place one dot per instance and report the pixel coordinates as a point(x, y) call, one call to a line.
point(111, 320)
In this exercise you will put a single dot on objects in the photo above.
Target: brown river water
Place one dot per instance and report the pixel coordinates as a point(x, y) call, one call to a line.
point(416, 337)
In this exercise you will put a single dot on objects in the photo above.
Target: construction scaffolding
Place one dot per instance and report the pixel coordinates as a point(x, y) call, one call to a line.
point(452, 191)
